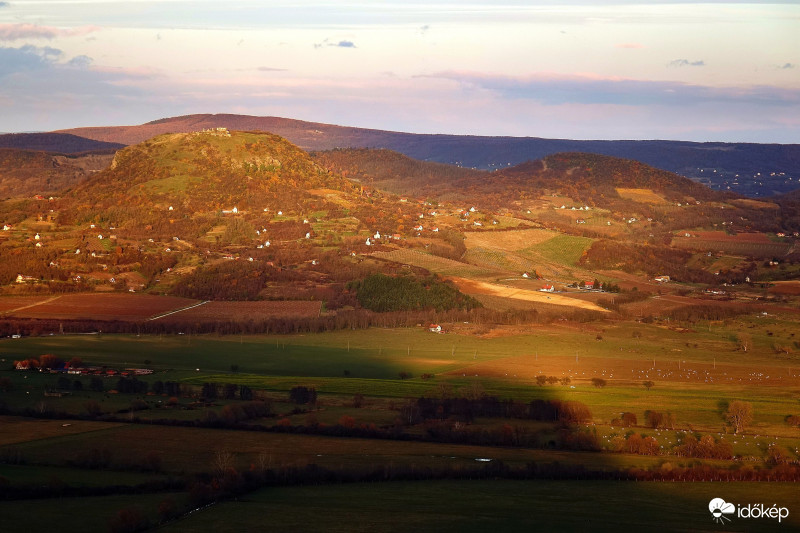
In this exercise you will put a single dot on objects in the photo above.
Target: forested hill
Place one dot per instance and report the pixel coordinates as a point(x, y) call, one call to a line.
point(590, 178)
point(395, 172)
point(751, 169)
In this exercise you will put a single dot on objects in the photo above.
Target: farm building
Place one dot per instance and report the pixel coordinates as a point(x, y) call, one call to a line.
point(435, 328)
point(547, 288)
point(662, 279)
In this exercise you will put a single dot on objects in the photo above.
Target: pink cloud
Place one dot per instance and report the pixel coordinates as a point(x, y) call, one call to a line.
point(14, 32)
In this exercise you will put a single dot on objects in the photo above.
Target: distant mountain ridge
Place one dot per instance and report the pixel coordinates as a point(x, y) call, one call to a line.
point(750, 169)
point(62, 143)
point(29, 172)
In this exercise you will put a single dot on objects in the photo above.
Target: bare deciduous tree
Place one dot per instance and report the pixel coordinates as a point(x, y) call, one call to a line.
point(222, 462)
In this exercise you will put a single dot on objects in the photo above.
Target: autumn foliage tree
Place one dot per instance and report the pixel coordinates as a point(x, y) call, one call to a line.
point(739, 414)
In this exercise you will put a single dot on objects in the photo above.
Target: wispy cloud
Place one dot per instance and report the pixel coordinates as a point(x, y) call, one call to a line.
point(271, 69)
point(686, 63)
point(633, 46)
point(15, 32)
point(337, 44)
point(787, 66)
point(3, 4)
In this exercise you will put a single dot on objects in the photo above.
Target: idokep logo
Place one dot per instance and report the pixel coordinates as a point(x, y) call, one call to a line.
point(722, 511)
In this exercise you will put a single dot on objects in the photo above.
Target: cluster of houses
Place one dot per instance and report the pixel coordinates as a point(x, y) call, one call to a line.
point(378, 236)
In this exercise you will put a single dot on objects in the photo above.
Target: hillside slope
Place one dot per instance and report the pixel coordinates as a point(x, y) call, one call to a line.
point(392, 171)
point(174, 178)
point(26, 172)
point(751, 169)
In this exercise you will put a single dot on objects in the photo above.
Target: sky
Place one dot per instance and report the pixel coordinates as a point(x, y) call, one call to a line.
point(579, 69)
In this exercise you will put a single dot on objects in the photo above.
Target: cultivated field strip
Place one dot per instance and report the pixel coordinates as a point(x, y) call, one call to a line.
point(103, 306)
point(509, 241)
point(259, 310)
point(439, 265)
point(498, 260)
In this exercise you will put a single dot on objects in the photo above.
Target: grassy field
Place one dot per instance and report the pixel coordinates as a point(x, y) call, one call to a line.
point(78, 515)
point(463, 506)
point(645, 196)
point(192, 450)
point(508, 241)
point(697, 369)
point(562, 249)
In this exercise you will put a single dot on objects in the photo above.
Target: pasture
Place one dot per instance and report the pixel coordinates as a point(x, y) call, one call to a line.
point(561, 249)
point(695, 372)
point(495, 505)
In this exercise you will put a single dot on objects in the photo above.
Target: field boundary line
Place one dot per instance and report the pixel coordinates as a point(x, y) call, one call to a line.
point(179, 310)
point(12, 311)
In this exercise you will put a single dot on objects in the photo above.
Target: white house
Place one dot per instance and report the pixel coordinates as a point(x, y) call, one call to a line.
point(368, 242)
point(547, 288)
point(435, 328)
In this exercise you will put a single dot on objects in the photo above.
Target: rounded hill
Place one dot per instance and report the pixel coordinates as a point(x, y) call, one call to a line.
point(185, 174)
